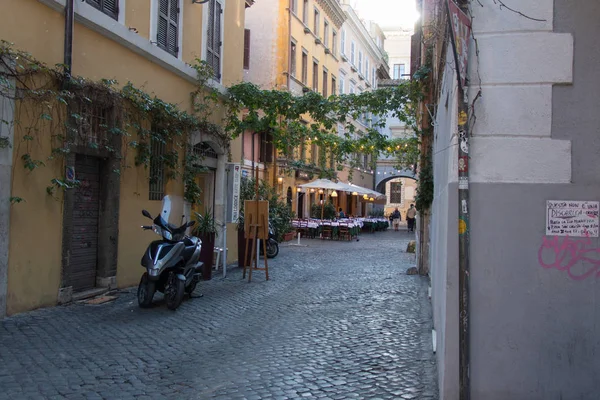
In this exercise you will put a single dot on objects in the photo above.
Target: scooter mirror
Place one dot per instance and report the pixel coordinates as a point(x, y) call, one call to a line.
point(146, 214)
point(191, 223)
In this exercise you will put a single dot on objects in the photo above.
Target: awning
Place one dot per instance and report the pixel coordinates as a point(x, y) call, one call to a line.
point(350, 187)
point(323, 184)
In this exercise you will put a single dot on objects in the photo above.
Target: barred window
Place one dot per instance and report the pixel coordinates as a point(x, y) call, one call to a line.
point(157, 170)
point(395, 192)
point(92, 126)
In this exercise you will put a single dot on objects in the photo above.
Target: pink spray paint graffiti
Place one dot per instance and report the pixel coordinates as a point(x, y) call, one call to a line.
point(575, 256)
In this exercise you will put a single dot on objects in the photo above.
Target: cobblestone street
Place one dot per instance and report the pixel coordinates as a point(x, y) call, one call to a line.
point(337, 320)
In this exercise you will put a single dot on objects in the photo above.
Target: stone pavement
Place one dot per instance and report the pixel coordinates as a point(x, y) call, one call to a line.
point(337, 320)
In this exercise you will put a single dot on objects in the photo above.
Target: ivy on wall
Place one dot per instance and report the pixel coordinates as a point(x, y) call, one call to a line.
point(51, 107)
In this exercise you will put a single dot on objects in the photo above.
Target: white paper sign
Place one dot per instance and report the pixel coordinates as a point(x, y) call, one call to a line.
point(572, 218)
point(235, 214)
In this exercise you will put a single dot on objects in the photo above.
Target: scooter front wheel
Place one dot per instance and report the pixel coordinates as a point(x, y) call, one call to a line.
point(145, 292)
point(174, 293)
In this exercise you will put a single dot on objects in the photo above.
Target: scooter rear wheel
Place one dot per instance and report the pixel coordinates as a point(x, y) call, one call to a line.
point(145, 292)
point(272, 249)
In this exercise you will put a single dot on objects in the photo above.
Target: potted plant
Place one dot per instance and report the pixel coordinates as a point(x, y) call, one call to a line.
point(206, 230)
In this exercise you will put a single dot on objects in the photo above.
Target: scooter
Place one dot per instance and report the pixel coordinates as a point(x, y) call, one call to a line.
point(272, 245)
point(172, 265)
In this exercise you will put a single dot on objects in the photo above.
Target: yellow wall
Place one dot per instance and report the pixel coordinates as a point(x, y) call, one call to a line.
point(34, 276)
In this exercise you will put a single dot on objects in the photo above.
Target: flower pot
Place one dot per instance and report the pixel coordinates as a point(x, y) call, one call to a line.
point(288, 236)
point(207, 254)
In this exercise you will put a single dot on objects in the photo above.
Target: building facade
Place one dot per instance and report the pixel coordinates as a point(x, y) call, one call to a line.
point(152, 45)
point(398, 185)
point(532, 311)
point(315, 55)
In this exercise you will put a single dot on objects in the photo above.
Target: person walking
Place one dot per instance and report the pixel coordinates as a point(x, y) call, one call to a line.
point(396, 219)
point(410, 217)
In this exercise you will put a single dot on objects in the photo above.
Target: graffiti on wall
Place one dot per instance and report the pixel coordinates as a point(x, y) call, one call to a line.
point(577, 257)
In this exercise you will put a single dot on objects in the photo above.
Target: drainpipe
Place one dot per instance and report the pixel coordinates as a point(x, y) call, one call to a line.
point(68, 48)
point(463, 234)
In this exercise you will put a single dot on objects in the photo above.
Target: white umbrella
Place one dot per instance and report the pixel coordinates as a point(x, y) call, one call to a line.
point(350, 187)
point(323, 184)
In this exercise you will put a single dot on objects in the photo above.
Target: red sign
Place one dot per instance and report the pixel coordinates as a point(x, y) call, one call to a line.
point(461, 29)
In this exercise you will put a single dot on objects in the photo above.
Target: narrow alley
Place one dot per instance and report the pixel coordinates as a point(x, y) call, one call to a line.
point(337, 320)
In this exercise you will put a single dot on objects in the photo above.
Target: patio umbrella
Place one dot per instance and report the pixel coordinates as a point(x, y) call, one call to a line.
point(350, 187)
point(324, 184)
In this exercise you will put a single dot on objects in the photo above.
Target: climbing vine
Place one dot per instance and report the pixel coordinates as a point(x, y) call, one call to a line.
point(50, 106)
point(62, 110)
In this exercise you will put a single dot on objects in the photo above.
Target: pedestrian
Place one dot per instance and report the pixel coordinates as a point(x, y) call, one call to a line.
point(341, 214)
point(396, 219)
point(410, 217)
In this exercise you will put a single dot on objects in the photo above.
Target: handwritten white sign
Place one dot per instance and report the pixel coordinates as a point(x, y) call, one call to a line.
point(572, 218)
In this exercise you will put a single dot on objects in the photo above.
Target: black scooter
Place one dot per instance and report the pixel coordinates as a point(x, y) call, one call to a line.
point(172, 265)
point(272, 245)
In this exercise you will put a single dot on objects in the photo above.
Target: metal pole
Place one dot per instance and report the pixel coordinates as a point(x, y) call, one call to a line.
point(225, 222)
point(255, 167)
point(463, 229)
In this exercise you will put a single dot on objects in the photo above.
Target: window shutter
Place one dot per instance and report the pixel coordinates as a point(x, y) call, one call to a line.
point(111, 8)
point(213, 42)
point(168, 20)
point(246, 48)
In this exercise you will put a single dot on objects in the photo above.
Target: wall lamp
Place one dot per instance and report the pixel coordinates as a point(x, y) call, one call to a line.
point(280, 180)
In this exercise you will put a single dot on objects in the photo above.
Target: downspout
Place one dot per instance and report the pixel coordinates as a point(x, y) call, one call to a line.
point(68, 47)
point(463, 232)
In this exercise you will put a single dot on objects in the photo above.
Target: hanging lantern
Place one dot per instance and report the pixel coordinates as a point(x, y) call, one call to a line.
point(320, 191)
point(334, 194)
point(366, 197)
point(354, 193)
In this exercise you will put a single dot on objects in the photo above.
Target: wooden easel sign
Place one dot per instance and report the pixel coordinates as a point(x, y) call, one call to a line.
point(256, 226)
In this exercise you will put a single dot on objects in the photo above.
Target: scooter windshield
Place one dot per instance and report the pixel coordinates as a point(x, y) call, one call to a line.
point(171, 214)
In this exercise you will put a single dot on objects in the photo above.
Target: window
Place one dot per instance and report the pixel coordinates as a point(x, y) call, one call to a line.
point(343, 42)
point(334, 43)
point(365, 161)
point(92, 126)
point(304, 67)
point(342, 83)
point(333, 85)
point(246, 48)
point(293, 59)
point(360, 62)
point(294, 6)
point(157, 170)
point(108, 7)
point(395, 192)
point(316, 23)
point(326, 33)
point(315, 76)
point(325, 82)
point(373, 76)
point(167, 34)
point(352, 88)
point(313, 153)
point(331, 161)
point(352, 58)
point(305, 12)
point(213, 42)
point(399, 70)
point(367, 70)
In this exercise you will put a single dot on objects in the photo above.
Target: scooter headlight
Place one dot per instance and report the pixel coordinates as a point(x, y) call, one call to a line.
point(167, 235)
